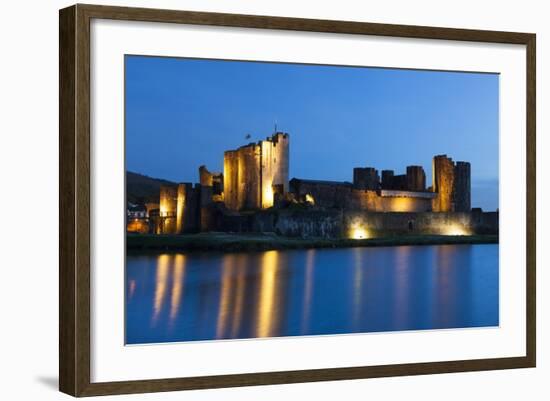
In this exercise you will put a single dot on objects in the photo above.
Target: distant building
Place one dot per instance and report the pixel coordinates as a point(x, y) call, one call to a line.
point(136, 211)
point(137, 219)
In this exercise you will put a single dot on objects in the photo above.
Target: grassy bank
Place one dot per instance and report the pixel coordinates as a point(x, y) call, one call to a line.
point(256, 242)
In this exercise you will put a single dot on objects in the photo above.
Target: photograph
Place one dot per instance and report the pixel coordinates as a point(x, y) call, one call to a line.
point(272, 199)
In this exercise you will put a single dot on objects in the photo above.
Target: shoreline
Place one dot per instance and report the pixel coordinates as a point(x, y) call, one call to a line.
point(226, 242)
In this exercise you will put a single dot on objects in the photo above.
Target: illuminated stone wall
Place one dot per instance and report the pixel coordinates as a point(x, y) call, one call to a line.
point(325, 194)
point(279, 145)
point(452, 184)
point(342, 195)
point(231, 179)
point(214, 180)
point(251, 172)
point(442, 183)
point(168, 208)
point(179, 210)
point(249, 190)
point(335, 223)
point(397, 201)
point(442, 223)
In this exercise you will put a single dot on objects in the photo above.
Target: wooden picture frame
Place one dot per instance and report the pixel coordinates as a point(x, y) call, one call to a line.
point(74, 204)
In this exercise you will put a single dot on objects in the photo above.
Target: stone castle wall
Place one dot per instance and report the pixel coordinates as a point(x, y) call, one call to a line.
point(366, 178)
point(442, 183)
point(188, 208)
point(214, 180)
point(180, 210)
point(452, 184)
point(416, 178)
point(251, 172)
point(325, 194)
point(231, 179)
point(328, 194)
point(461, 191)
point(374, 202)
point(168, 209)
point(338, 223)
point(275, 154)
point(442, 223)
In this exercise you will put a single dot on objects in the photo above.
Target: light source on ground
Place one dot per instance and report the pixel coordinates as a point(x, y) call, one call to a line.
point(455, 229)
point(310, 199)
point(358, 231)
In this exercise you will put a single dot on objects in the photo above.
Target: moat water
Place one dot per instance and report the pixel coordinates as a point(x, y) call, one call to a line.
point(209, 296)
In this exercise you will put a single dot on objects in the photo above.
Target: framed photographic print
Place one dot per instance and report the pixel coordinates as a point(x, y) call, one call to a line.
point(251, 200)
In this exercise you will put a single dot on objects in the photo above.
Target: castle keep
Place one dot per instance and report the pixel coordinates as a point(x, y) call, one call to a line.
point(254, 173)
point(254, 194)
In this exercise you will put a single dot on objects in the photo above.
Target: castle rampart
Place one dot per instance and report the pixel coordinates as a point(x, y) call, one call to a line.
point(214, 180)
point(343, 195)
point(366, 178)
point(416, 178)
point(357, 224)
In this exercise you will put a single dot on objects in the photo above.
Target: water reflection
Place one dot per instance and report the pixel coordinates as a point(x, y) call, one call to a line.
point(267, 293)
point(402, 282)
point(308, 290)
point(199, 296)
point(224, 296)
point(161, 283)
point(177, 286)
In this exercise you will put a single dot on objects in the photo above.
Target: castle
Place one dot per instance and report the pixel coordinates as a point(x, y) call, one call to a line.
point(254, 194)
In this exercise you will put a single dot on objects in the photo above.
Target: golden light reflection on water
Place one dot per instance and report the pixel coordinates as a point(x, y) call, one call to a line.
point(240, 288)
point(225, 292)
point(161, 281)
point(232, 294)
point(177, 286)
point(279, 293)
point(266, 318)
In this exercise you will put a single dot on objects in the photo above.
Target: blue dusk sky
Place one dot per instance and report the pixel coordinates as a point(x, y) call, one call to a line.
point(182, 113)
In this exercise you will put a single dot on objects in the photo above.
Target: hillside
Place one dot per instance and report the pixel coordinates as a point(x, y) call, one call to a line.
point(141, 188)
